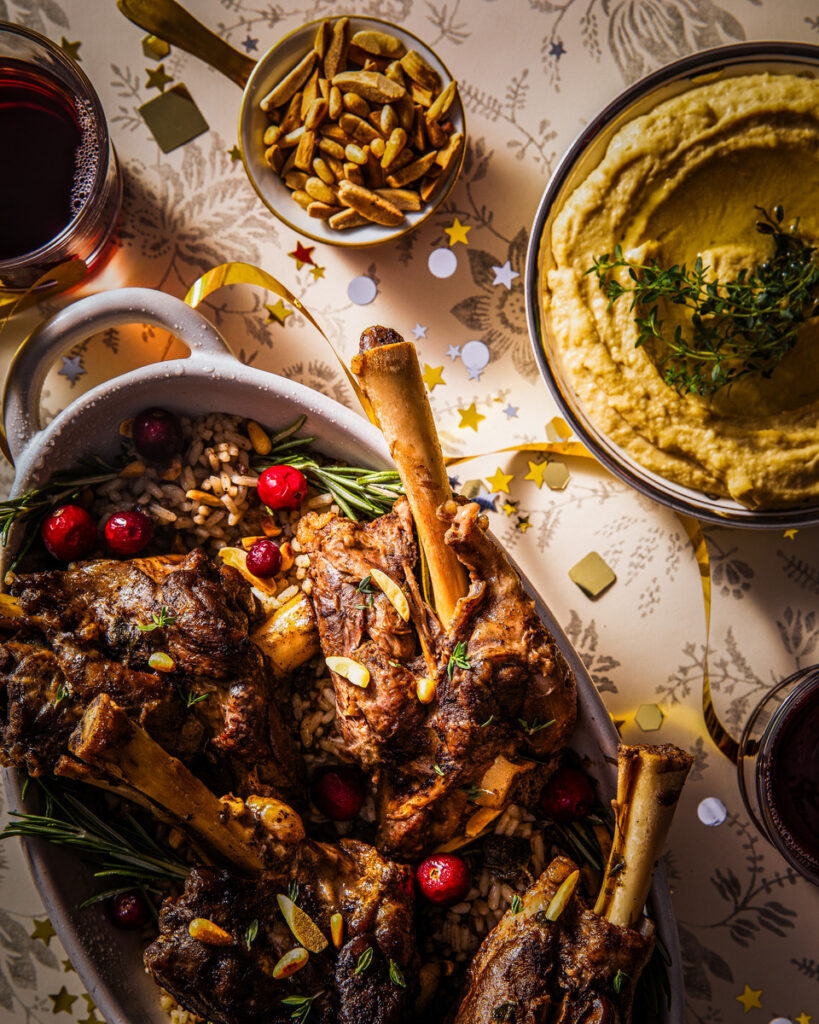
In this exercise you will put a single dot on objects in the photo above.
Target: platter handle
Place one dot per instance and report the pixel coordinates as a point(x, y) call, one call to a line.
point(170, 22)
point(57, 335)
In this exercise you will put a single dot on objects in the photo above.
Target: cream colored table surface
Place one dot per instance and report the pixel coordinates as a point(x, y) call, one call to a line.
point(532, 72)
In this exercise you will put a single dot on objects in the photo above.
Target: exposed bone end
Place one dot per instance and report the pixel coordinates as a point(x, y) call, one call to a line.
point(377, 336)
point(649, 783)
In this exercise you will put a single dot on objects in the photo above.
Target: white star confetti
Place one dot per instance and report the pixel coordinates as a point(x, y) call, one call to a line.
point(505, 274)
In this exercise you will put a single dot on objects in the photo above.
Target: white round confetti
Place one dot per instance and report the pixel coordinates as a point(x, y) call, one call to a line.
point(781, 1020)
point(711, 811)
point(475, 355)
point(362, 290)
point(442, 262)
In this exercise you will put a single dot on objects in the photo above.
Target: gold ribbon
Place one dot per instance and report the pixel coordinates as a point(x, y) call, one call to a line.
point(246, 273)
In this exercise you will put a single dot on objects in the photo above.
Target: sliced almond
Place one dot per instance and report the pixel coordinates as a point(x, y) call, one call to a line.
point(392, 591)
point(321, 211)
point(403, 198)
point(301, 925)
point(316, 189)
point(420, 71)
point(290, 963)
point(353, 671)
point(417, 169)
point(336, 54)
point(291, 82)
point(355, 104)
point(347, 219)
point(306, 148)
point(480, 819)
point(369, 204)
point(159, 661)
point(381, 44)
point(335, 105)
point(322, 40)
point(562, 896)
point(315, 114)
point(372, 85)
point(209, 932)
point(361, 131)
point(132, 470)
point(442, 102)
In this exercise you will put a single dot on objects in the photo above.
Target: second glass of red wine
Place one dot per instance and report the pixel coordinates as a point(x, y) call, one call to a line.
point(60, 184)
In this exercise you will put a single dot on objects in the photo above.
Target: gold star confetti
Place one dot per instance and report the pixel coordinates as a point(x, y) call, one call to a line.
point(63, 1001)
point(302, 254)
point(510, 508)
point(592, 575)
point(90, 1005)
point(432, 376)
point(536, 472)
point(790, 534)
point(67, 966)
point(92, 1018)
point(235, 153)
point(317, 272)
point(457, 233)
point(43, 931)
point(649, 717)
point(557, 429)
point(278, 312)
point(750, 998)
point(470, 418)
point(155, 48)
point(499, 481)
point(523, 523)
point(71, 49)
point(803, 1018)
point(618, 724)
point(157, 79)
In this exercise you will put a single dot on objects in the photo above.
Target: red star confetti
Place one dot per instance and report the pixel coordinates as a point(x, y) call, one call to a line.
point(302, 254)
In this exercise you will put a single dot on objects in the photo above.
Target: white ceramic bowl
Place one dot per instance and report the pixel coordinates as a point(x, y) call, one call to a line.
point(582, 157)
point(109, 960)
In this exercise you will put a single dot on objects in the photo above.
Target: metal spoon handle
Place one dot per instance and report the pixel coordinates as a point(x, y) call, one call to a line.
point(171, 22)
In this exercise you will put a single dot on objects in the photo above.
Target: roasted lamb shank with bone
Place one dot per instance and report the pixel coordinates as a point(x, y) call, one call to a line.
point(92, 629)
point(558, 961)
point(455, 703)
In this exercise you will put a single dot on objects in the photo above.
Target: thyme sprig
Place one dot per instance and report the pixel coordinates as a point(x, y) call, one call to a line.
point(739, 328)
point(458, 658)
point(359, 493)
point(125, 852)
point(302, 1005)
point(33, 506)
point(164, 617)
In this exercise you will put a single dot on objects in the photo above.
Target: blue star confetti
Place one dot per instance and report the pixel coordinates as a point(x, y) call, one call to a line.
point(557, 49)
point(250, 44)
point(72, 368)
point(511, 411)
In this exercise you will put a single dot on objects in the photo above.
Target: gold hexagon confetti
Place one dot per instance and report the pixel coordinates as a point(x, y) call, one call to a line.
point(649, 717)
point(557, 429)
point(592, 575)
point(557, 476)
point(155, 48)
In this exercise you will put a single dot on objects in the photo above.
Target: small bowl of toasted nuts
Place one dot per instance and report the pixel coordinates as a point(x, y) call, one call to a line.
point(352, 131)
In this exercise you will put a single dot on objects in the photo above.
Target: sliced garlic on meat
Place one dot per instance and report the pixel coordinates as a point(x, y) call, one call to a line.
point(480, 819)
point(209, 932)
point(159, 661)
point(301, 925)
point(426, 688)
point(337, 930)
point(562, 896)
point(393, 593)
point(353, 671)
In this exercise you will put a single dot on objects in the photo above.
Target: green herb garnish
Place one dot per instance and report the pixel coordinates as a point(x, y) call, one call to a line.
point(302, 1005)
point(364, 960)
point(191, 698)
point(62, 693)
point(531, 728)
point(293, 892)
point(458, 658)
point(517, 904)
point(739, 328)
point(365, 587)
point(489, 721)
point(619, 978)
point(438, 770)
point(251, 933)
point(473, 791)
point(164, 618)
point(359, 493)
point(396, 976)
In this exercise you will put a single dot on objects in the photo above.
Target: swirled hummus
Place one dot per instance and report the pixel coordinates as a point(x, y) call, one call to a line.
point(680, 182)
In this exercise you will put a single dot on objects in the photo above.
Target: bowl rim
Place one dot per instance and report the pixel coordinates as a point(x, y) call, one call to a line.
point(681, 499)
point(262, 67)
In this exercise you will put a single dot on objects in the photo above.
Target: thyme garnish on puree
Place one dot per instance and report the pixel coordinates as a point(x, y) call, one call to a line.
point(738, 328)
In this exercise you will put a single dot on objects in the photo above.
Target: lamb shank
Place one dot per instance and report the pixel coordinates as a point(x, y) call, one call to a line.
point(458, 702)
point(93, 629)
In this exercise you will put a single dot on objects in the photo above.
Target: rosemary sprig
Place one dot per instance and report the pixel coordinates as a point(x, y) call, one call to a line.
point(126, 852)
point(740, 327)
point(359, 493)
point(33, 506)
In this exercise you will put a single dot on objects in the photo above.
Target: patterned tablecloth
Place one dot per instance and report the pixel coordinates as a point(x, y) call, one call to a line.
point(531, 72)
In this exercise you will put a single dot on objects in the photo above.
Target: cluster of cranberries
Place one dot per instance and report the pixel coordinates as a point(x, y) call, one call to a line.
point(69, 533)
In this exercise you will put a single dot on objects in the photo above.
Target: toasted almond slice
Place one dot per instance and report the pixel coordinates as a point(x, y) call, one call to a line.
point(381, 44)
point(447, 156)
point(310, 94)
point(480, 819)
point(316, 114)
point(248, 542)
point(372, 85)
point(305, 151)
point(442, 102)
point(258, 438)
point(562, 896)
point(353, 173)
point(316, 188)
point(417, 169)
point(347, 219)
point(290, 963)
point(291, 82)
point(301, 925)
point(395, 143)
point(355, 104)
point(274, 157)
point(337, 930)
point(322, 40)
point(394, 594)
point(331, 148)
point(126, 428)
point(420, 71)
point(302, 198)
point(321, 211)
point(322, 170)
point(395, 72)
point(336, 54)
point(369, 204)
point(203, 498)
point(296, 179)
point(377, 147)
point(336, 104)
point(132, 470)
point(292, 117)
point(353, 671)
point(362, 131)
point(426, 688)
point(9, 607)
point(431, 182)
point(209, 932)
point(403, 198)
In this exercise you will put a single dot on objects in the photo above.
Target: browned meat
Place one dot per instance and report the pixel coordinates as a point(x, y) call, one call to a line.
point(233, 983)
point(530, 970)
point(80, 636)
point(503, 689)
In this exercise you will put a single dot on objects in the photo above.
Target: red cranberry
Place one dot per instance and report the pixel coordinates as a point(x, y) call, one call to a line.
point(69, 533)
point(568, 795)
point(444, 878)
point(338, 792)
point(128, 910)
point(157, 434)
point(127, 533)
point(264, 559)
point(282, 487)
